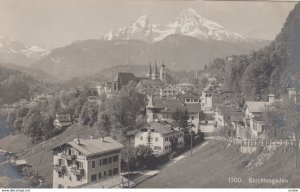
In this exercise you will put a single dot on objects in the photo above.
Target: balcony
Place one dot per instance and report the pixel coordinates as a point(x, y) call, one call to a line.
point(68, 157)
point(59, 168)
point(77, 171)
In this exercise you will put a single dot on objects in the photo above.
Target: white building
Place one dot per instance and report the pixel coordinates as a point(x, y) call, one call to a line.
point(206, 101)
point(81, 162)
point(169, 91)
point(160, 136)
point(253, 116)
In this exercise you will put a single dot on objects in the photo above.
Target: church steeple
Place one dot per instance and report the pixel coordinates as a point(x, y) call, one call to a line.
point(155, 75)
point(149, 75)
point(150, 70)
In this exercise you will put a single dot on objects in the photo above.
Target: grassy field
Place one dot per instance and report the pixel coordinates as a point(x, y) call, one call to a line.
point(213, 165)
point(39, 155)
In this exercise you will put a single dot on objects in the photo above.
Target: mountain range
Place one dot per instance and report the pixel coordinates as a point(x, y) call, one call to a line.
point(14, 51)
point(188, 23)
point(188, 43)
point(176, 51)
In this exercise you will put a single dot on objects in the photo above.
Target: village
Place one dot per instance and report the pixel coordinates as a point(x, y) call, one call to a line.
point(179, 118)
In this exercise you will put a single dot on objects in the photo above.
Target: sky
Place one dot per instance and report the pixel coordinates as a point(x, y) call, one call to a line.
point(55, 23)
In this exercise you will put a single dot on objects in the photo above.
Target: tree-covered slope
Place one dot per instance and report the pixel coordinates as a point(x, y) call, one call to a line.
point(268, 70)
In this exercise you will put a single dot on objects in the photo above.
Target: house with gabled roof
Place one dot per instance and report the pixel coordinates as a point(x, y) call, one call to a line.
point(84, 162)
point(163, 109)
point(62, 121)
point(253, 116)
point(169, 91)
point(121, 80)
point(160, 136)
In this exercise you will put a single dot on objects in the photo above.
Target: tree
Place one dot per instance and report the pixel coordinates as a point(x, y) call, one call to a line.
point(180, 116)
point(103, 123)
point(174, 144)
point(144, 155)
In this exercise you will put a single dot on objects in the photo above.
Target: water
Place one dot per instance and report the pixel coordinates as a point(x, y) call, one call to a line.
point(6, 169)
point(4, 130)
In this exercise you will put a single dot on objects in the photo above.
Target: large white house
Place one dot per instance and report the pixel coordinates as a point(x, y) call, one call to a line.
point(85, 161)
point(160, 136)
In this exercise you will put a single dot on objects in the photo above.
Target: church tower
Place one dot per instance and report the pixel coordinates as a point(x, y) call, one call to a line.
point(155, 74)
point(149, 75)
point(163, 73)
point(150, 109)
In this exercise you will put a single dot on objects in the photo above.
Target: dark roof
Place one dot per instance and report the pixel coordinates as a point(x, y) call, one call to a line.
point(148, 83)
point(258, 118)
point(64, 117)
point(193, 107)
point(292, 82)
point(189, 95)
point(171, 105)
point(124, 78)
point(236, 116)
point(160, 127)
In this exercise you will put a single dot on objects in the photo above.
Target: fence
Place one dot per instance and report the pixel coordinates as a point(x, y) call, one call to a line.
point(263, 142)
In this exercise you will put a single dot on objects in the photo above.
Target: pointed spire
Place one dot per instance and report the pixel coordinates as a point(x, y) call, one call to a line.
point(150, 71)
point(155, 68)
point(150, 102)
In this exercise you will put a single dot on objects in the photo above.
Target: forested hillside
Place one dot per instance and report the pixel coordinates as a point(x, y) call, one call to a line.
point(15, 85)
point(268, 70)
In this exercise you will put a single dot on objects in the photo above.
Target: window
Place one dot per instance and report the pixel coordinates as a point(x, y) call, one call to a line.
point(116, 158)
point(99, 176)
point(79, 153)
point(115, 171)
point(166, 139)
point(166, 147)
point(60, 174)
point(104, 174)
point(156, 138)
point(61, 162)
point(104, 161)
point(109, 160)
point(192, 118)
point(93, 177)
point(110, 172)
point(93, 164)
point(69, 162)
point(141, 138)
point(78, 177)
point(156, 148)
point(79, 164)
point(60, 186)
point(99, 162)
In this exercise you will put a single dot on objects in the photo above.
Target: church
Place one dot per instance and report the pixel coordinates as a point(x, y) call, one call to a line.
point(154, 80)
point(162, 76)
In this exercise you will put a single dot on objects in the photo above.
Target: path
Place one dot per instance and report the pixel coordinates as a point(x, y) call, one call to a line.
point(149, 174)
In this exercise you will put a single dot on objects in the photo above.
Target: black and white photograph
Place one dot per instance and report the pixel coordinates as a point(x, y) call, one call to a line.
point(149, 94)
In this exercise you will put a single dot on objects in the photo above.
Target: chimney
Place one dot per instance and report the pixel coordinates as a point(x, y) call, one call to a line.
point(77, 141)
point(271, 98)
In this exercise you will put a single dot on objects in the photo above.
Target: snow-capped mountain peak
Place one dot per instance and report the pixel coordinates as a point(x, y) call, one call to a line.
point(142, 21)
point(189, 22)
point(11, 48)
